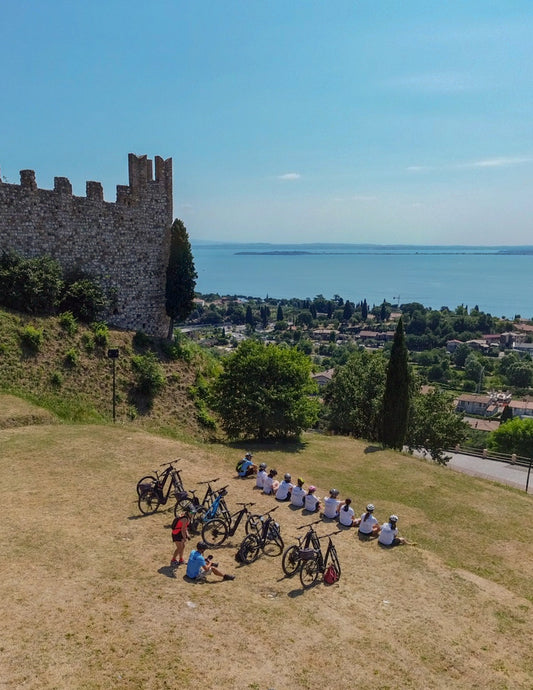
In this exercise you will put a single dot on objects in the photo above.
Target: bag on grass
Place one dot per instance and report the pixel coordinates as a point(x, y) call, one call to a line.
point(330, 576)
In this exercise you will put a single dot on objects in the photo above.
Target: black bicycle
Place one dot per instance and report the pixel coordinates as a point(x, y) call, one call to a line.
point(293, 555)
point(191, 501)
point(218, 529)
point(315, 563)
point(157, 494)
point(267, 540)
point(149, 481)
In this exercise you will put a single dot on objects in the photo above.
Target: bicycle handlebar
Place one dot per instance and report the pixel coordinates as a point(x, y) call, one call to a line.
point(323, 536)
point(245, 504)
point(309, 524)
point(164, 464)
point(209, 481)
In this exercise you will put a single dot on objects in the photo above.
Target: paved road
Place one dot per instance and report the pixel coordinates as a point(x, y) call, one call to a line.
point(513, 475)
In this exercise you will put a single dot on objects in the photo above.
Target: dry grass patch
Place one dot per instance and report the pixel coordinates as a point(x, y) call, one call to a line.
point(88, 599)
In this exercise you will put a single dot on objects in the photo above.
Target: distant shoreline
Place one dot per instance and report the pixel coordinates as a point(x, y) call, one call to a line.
point(298, 252)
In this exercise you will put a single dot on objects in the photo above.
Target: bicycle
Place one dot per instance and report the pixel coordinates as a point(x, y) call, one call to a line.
point(191, 502)
point(292, 556)
point(149, 481)
point(254, 543)
point(315, 563)
point(216, 530)
point(154, 495)
point(199, 514)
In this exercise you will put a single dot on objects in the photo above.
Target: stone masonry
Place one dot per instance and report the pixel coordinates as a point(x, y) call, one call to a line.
point(123, 245)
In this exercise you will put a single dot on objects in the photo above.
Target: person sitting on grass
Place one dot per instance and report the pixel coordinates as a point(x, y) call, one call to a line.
point(199, 567)
point(331, 504)
point(180, 535)
point(311, 502)
point(284, 489)
point(346, 514)
point(246, 467)
point(298, 494)
point(389, 533)
point(261, 476)
point(270, 483)
point(368, 525)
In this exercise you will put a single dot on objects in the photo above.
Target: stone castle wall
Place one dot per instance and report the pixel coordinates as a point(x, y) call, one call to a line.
point(123, 245)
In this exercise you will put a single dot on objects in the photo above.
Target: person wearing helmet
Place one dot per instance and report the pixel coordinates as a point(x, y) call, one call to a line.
point(311, 502)
point(331, 504)
point(284, 489)
point(199, 567)
point(246, 467)
point(180, 535)
point(298, 494)
point(368, 524)
point(389, 533)
point(270, 483)
point(261, 476)
point(346, 513)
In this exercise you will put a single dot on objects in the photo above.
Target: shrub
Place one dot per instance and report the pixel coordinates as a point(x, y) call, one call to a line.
point(84, 298)
point(56, 379)
point(87, 340)
point(32, 338)
point(149, 376)
point(141, 341)
point(72, 357)
point(68, 322)
point(101, 334)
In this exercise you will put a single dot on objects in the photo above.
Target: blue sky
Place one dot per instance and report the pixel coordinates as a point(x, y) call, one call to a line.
point(294, 121)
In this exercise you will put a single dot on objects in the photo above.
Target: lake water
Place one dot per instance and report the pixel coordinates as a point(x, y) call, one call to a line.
point(501, 284)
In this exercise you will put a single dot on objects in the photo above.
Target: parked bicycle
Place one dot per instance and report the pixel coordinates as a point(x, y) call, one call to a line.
point(200, 514)
point(315, 563)
point(218, 529)
point(292, 558)
point(268, 540)
point(153, 495)
point(149, 481)
point(191, 501)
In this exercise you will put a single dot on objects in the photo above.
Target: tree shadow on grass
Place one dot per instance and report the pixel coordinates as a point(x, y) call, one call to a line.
point(372, 449)
point(255, 446)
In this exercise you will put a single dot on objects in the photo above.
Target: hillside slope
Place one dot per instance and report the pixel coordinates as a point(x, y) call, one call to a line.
point(87, 599)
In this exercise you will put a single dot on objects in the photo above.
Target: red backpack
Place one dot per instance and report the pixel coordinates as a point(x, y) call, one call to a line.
point(331, 576)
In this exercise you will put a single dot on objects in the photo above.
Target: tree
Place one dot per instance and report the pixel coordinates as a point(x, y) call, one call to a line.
point(249, 318)
point(434, 426)
point(396, 398)
point(353, 398)
point(520, 374)
point(364, 310)
point(181, 276)
point(279, 315)
point(264, 392)
point(515, 436)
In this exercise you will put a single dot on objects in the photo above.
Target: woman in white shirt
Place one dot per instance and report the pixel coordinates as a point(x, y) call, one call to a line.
point(368, 524)
point(331, 504)
point(346, 514)
point(389, 533)
point(298, 494)
point(261, 476)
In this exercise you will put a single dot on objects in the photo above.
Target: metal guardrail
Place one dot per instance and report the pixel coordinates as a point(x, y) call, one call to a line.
point(485, 453)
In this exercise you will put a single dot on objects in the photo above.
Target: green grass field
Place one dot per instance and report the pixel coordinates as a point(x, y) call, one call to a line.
point(88, 599)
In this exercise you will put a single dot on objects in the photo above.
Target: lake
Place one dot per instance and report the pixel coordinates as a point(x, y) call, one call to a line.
point(500, 283)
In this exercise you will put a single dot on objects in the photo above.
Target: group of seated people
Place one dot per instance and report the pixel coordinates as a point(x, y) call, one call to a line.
point(368, 525)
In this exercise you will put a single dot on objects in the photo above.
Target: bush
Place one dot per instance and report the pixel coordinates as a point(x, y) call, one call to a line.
point(32, 338)
point(56, 379)
point(101, 334)
point(68, 322)
point(141, 341)
point(72, 357)
point(87, 340)
point(30, 285)
point(149, 376)
point(84, 298)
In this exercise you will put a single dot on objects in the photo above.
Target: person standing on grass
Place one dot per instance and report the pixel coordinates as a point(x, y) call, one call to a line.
point(389, 533)
point(298, 494)
point(346, 514)
point(199, 567)
point(180, 535)
point(368, 524)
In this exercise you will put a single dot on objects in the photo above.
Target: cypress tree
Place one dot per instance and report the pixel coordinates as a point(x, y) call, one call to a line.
point(181, 276)
point(396, 399)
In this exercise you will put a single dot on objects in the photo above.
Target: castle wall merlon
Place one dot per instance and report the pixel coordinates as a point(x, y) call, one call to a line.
point(62, 186)
point(94, 191)
point(27, 179)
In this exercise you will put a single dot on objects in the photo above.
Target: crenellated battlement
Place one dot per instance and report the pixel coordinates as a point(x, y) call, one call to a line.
point(123, 244)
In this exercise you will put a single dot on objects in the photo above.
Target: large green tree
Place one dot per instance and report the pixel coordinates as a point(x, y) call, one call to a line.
point(264, 392)
point(434, 426)
point(354, 397)
point(515, 436)
point(396, 399)
point(181, 276)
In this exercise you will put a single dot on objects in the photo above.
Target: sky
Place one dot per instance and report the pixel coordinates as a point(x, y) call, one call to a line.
point(383, 121)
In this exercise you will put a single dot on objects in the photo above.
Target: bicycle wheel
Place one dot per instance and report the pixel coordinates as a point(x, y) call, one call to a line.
point(335, 561)
point(291, 560)
point(149, 502)
point(197, 518)
point(253, 524)
point(309, 573)
point(250, 548)
point(148, 480)
point(181, 506)
point(214, 532)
